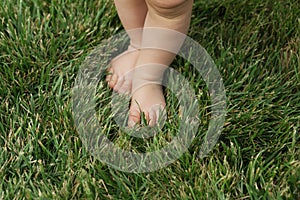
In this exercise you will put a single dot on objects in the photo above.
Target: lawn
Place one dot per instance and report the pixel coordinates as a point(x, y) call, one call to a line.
point(256, 48)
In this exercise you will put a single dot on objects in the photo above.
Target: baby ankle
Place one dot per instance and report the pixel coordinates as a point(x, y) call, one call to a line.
point(149, 74)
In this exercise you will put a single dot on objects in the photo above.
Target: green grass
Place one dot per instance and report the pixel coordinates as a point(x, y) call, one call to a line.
point(256, 46)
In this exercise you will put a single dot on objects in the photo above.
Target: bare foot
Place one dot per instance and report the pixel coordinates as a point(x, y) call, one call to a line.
point(120, 71)
point(147, 95)
point(148, 100)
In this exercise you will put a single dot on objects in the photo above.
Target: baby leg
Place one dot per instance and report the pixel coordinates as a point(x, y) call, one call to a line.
point(132, 14)
point(166, 14)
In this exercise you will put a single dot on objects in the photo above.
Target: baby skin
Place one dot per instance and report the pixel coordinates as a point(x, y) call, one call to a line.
point(139, 70)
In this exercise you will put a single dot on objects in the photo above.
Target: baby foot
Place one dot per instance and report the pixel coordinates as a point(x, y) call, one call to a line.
point(148, 100)
point(120, 71)
point(147, 95)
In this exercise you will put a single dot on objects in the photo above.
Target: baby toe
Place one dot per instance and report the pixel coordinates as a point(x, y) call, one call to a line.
point(109, 75)
point(134, 118)
point(113, 81)
point(159, 114)
point(119, 84)
point(152, 118)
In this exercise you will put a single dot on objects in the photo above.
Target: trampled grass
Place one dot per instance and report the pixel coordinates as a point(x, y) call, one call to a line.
point(256, 46)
